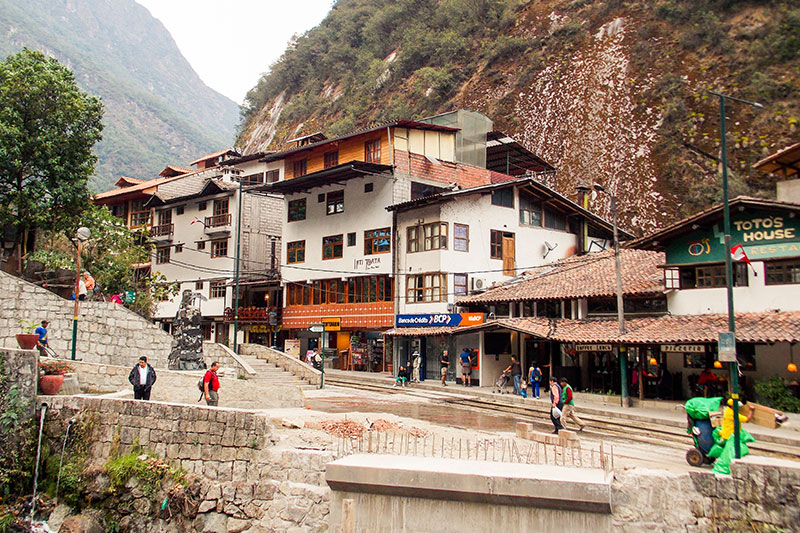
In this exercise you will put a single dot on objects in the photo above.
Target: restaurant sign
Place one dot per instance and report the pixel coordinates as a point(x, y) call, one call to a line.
point(762, 234)
point(592, 347)
point(683, 348)
point(439, 319)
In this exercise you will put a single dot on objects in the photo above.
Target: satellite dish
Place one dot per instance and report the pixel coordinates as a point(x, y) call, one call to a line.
point(548, 248)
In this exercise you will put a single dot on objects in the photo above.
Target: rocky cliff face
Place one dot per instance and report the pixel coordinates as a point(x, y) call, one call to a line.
point(609, 92)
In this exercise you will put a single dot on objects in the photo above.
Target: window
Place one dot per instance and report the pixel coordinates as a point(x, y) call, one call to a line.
point(216, 289)
point(369, 289)
point(503, 197)
point(672, 278)
point(425, 288)
point(140, 215)
point(372, 151)
point(201, 206)
point(496, 251)
point(461, 237)
point(554, 220)
point(300, 168)
point(782, 272)
point(201, 245)
point(179, 210)
point(332, 246)
point(421, 190)
point(331, 159)
point(272, 176)
point(297, 210)
point(296, 252)
point(460, 284)
point(178, 248)
point(708, 276)
point(530, 211)
point(252, 179)
point(162, 255)
point(368, 187)
point(219, 248)
point(320, 197)
point(413, 239)
point(120, 211)
point(198, 285)
point(433, 237)
point(221, 207)
point(377, 241)
point(335, 202)
point(351, 239)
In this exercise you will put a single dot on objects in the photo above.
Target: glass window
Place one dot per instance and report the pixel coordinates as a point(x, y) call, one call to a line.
point(412, 244)
point(496, 243)
point(435, 236)
point(299, 168)
point(782, 272)
point(296, 252)
point(272, 176)
point(372, 151)
point(201, 245)
point(198, 285)
point(708, 276)
point(140, 215)
point(672, 278)
point(331, 159)
point(332, 246)
point(297, 210)
point(460, 284)
point(178, 248)
point(179, 210)
point(351, 239)
point(219, 248)
point(554, 220)
point(461, 237)
point(252, 179)
point(377, 241)
point(425, 287)
point(369, 187)
point(201, 206)
point(162, 255)
point(216, 289)
point(503, 197)
point(530, 211)
point(335, 202)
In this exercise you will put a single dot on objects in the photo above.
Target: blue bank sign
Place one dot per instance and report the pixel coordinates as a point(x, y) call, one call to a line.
point(438, 319)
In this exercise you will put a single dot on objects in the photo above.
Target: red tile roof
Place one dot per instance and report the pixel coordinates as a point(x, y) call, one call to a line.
point(667, 329)
point(583, 276)
point(139, 187)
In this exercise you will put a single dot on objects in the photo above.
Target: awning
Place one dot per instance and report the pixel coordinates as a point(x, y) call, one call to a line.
point(329, 176)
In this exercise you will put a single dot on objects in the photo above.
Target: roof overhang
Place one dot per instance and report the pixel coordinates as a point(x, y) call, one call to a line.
point(504, 154)
point(329, 176)
point(785, 163)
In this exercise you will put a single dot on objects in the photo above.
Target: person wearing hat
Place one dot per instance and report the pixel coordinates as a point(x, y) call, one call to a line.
point(569, 404)
point(555, 402)
point(416, 360)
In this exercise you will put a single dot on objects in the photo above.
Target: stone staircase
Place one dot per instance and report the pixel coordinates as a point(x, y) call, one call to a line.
point(271, 375)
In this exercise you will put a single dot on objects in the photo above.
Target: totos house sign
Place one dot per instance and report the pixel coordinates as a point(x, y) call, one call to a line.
point(762, 234)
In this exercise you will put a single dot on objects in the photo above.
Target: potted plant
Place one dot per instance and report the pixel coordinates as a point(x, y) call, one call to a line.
point(28, 340)
point(51, 375)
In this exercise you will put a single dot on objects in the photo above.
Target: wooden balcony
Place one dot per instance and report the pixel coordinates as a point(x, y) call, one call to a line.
point(217, 222)
point(162, 231)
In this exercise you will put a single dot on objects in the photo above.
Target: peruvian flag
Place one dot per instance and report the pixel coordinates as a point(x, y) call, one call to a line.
point(738, 254)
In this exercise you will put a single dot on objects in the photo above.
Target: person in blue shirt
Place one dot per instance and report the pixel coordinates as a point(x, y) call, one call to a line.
point(41, 343)
point(534, 378)
point(466, 367)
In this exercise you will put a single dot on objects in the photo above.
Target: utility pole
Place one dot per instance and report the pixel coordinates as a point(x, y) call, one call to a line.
point(236, 274)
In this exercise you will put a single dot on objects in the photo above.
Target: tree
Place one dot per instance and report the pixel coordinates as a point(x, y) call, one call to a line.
point(47, 130)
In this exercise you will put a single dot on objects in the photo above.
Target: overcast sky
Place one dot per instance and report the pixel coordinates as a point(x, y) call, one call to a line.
point(230, 44)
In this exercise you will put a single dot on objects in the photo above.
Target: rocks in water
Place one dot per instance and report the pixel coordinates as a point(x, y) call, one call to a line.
point(57, 517)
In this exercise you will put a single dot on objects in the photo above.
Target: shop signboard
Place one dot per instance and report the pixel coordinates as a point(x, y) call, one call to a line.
point(438, 320)
point(683, 348)
point(316, 328)
point(727, 347)
point(593, 348)
point(292, 347)
point(332, 324)
point(762, 234)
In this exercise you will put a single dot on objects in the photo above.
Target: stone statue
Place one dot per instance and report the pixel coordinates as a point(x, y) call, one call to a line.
point(187, 344)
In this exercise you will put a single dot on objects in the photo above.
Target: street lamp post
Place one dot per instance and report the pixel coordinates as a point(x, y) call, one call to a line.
point(236, 276)
point(734, 365)
point(81, 236)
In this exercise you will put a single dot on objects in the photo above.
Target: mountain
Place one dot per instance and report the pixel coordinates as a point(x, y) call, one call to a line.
point(614, 92)
point(157, 110)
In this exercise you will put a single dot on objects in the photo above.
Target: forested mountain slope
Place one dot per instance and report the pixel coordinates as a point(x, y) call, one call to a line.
point(606, 91)
point(157, 110)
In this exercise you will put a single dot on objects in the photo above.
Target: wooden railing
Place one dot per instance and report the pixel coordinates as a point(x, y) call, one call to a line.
point(162, 230)
point(218, 220)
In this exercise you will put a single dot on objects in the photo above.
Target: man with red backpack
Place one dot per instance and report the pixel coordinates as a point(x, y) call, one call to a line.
point(569, 405)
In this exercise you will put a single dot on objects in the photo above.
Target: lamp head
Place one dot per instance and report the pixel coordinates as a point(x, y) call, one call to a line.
point(582, 188)
point(599, 188)
point(83, 234)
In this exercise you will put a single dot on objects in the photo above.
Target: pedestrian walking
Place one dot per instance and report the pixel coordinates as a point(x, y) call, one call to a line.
point(516, 375)
point(534, 378)
point(211, 385)
point(142, 377)
point(569, 405)
point(556, 405)
point(466, 367)
point(41, 342)
point(444, 362)
point(416, 361)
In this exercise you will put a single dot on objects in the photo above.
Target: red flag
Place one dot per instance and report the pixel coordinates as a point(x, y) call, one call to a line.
point(738, 254)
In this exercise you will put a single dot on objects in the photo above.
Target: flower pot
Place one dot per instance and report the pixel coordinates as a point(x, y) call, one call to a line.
point(50, 384)
point(27, 341)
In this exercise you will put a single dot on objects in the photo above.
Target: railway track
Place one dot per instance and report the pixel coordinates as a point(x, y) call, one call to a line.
point(633, 429)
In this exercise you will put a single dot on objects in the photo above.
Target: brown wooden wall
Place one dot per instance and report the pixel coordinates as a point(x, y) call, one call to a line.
point(351, 149)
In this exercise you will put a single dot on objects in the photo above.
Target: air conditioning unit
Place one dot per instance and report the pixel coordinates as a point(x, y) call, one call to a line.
point(479, 284)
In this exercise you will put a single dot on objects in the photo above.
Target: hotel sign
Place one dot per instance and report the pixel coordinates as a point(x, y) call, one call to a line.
point(683, 348)
point(762, 234)
point(593, 348)
point(439, 320)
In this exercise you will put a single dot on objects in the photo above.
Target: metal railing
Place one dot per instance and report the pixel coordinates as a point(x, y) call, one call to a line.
point(218, 220)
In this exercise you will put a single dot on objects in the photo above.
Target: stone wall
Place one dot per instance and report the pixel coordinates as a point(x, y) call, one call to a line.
point(248, 479)
point(213, 351)
point(287, 362)
point(107, 333)
point(19, 366)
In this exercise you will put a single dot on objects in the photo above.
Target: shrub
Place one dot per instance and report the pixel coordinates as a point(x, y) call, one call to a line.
point(774, 392)
point(55, 368)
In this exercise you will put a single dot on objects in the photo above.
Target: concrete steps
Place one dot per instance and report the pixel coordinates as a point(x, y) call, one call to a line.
point(273, 374)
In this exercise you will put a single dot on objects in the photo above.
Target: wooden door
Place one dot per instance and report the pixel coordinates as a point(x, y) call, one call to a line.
point(508, 256)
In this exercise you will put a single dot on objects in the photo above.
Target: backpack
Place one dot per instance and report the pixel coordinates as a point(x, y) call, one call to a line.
point(200, 384)
point(537, 374)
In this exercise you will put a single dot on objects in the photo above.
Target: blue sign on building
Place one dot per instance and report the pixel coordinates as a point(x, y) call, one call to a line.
point(438, 319)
